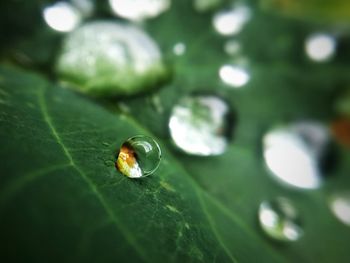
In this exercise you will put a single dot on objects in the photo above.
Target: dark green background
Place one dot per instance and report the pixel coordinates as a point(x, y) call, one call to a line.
point(61, 199)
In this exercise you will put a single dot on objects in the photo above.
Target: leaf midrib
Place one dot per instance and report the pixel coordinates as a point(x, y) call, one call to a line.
point(88, 181)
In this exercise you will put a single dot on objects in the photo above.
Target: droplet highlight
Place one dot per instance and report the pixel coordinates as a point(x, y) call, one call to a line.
point(138, 10)
point(293, 153)
point(320, 47)
point(139, 156)
point(280, 220)
point(105, 58)
point(340, 206)
point(201, 125)
point(231, 21)
point(62, 16)
point(234, 76)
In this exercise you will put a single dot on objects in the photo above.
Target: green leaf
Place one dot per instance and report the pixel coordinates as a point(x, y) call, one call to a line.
point(61, 198)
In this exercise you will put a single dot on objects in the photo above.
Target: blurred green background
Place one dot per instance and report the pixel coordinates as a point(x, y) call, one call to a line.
point(61, 197)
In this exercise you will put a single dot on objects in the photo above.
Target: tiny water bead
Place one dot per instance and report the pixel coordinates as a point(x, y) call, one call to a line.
point(293, 153)
point(105, 58)
point(340, 206)
point(234, 76)
point(280, 220)
point(201, 125)
point(138, 10)
point(320, 47)
point(231, 21)
point(139, 156)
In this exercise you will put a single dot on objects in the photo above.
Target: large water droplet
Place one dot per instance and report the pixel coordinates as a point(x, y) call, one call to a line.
point(280, 220)
point(340, 206)
point(201, 125)
point(107, 58)
point(139, 156)
point(320, 47)
point(138, 10)
point(231, 21)
point(293, 153)
point(62, 16)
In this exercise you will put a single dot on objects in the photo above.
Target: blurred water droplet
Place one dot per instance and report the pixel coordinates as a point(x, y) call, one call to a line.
point(205, 5)
point(201, 125)
point(139, 156)
point(293, 153)
point(280, 220)
point(107, 58)
point(320, 47)
point(231, 21)
point(234, 76)
point(62, 16)
point(232, 47)
point(340, 206)
point(179, 49)
point(138, 10)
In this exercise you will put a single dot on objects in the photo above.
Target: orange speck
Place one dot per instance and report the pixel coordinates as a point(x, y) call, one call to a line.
point(341, 131)
point(127, 155)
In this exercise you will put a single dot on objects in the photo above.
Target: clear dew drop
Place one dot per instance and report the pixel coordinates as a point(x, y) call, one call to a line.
point(340, 206)
point(139, 156)
point(138, 10)
point(320, 47)
point(201, 125)
point(110, 58)
point(179, 49)
point(280, 220)
point(293, 153)
point(62, 16)
point(231, 21)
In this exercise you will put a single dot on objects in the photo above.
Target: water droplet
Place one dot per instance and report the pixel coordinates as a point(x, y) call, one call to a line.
point(320, 47)
point(201, 125)
point(109, 58)
point(231, 21)
point(205, 5)
point(340, 206)
point(293, 153)
point(138, 10)
point(62, 16)
point(280, 220)
point(234, 76)
point(179, 49)
point(139, 156)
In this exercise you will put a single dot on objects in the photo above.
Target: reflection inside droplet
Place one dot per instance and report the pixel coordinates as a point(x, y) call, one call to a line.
point(62, 16)
point(179, 49)
point(340, 206)
point(231, 22)
point(139, 9)
point(320, 47)
point(293, 153)
point(138, 157)
point(280, 220)
point(201, 125)
point(234, 76)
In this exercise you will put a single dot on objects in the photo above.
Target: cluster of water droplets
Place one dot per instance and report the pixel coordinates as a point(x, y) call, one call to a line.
point(120, 58)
